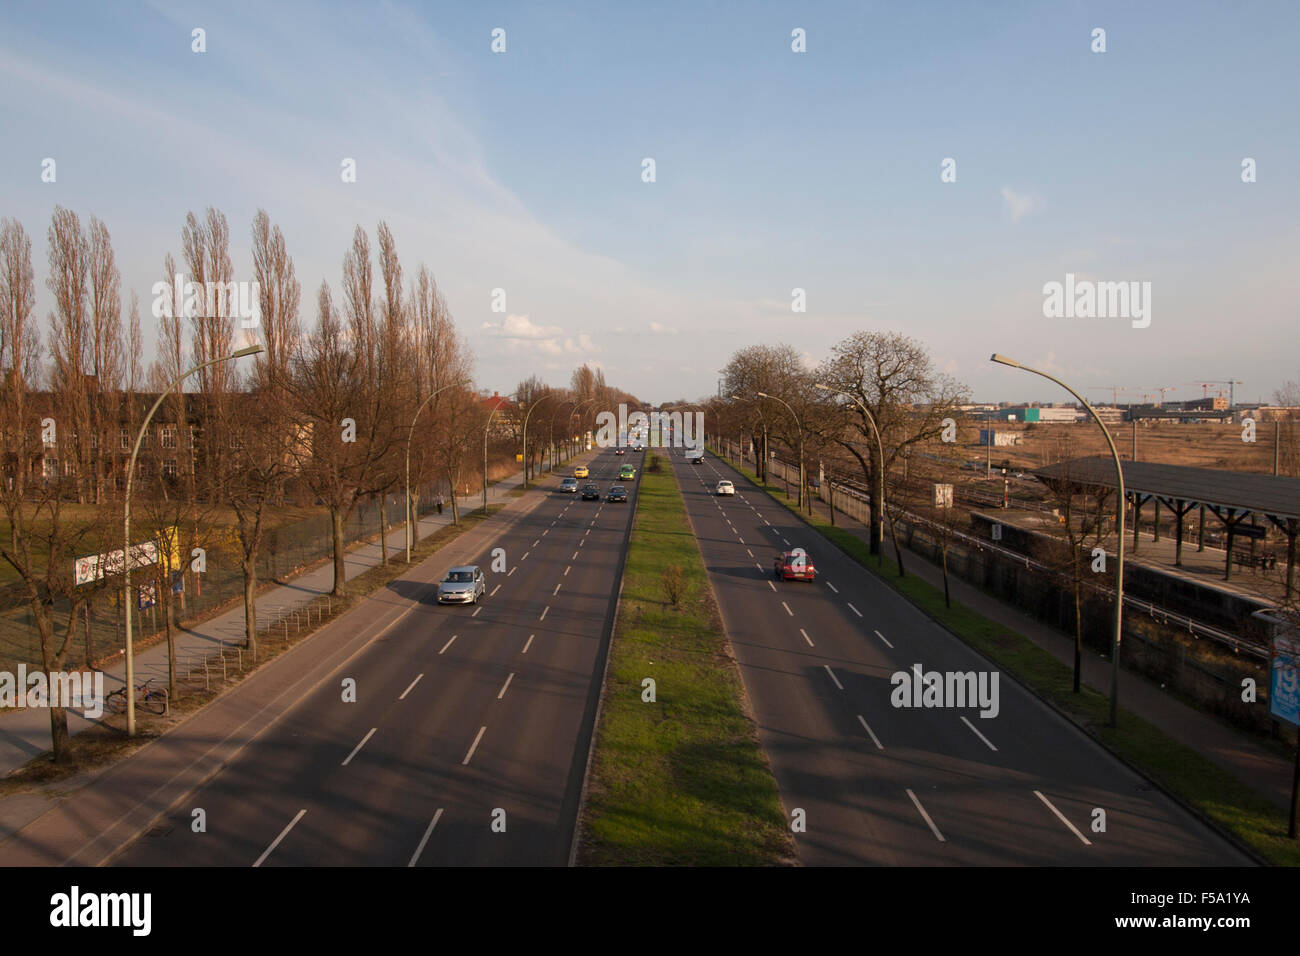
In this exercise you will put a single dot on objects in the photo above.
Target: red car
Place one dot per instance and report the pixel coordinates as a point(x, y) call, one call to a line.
point(620, 451)
point(795, 565)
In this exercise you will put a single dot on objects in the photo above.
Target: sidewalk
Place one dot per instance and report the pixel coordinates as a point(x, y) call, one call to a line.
point(1256, 767)
point(25, 733)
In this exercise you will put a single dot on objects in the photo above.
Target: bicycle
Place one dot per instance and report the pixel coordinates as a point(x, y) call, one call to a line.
point(154, 701)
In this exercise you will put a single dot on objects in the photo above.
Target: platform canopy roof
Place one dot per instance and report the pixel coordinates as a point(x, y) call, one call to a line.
point(1269, 495)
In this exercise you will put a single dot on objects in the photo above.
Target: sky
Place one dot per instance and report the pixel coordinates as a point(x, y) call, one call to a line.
point(775, 170)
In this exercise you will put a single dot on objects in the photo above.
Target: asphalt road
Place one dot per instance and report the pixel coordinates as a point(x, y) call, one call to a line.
point(909, 786)
point(465, 717)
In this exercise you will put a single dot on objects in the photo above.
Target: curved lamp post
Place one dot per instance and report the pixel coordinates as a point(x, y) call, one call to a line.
point(1119, 530)
point(409, 432)
point(880, 478)
point(527, 416)
point(126, 525)
point(800, 428)
point(486, 429)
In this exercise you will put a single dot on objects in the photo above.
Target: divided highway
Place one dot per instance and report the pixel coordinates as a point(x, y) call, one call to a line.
point(461, 711)
point(908, 786)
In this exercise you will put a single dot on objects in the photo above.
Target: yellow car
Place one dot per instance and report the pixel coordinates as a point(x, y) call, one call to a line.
point(581, 472)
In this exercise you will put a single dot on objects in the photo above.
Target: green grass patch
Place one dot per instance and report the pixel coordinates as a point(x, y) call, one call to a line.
point(682, 780)
point(1178, 768)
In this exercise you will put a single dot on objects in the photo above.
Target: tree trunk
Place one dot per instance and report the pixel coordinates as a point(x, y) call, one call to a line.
point(250, 604)
point(336, 531)
point(383, 529)
point(947, 600)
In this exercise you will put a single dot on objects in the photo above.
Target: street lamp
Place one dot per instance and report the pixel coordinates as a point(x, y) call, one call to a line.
point(409, 432)
point(126, 525)
point(800, 428)
point(527, 416)
point(486, 429)
point(1119, 541)
point(880, 477)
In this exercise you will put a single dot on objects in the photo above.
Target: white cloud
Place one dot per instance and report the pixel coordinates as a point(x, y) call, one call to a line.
point(660, 328)
point(1018, 205)
point(521, 327)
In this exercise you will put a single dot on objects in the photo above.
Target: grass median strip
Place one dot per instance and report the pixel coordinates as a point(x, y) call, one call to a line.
point(1196, 780)
point(681, 780)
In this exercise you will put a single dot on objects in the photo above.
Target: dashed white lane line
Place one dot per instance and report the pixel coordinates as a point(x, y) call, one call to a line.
point(528, 643)
point(575, 556)
point(787, 607)
point(760, 569)
point(832, 587)
point(357, 749)
point(556, 591)
point(748, 552)
point(770, 584)
point(874, 739)
point(448, 644)
point(535, 544)
point(976, 732)
point(925, 816)
point(425, 839)
point(412, 687)
point(476, 611)
point(855, 610)
point(525, 557)
point(566, 569)
point(885, 639)
point(510, 572)
point(786, 540)
point(833, 677)
point(504, 686)
point(1061, 817)
point(473, 746)
point(545, 609)
point(546, 532)
point(806, 637)
point(494, 591)
point(276, 842)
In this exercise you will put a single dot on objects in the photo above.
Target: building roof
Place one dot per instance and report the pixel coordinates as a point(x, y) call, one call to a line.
point(495, 401)
point(1274, 495)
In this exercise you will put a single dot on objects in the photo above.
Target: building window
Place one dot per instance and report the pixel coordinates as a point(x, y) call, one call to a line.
point(50, 467)
point(124, 436)
point(169, 468)
point(167, 435)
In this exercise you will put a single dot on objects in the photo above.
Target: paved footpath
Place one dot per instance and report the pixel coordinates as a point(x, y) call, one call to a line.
point(1257, 767)
point(25, 733)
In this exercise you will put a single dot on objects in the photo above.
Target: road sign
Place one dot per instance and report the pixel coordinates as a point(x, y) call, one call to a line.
point(997, 532)
point(1284, 674)
point(93, 567)
point(148, 596)
point(943, 496)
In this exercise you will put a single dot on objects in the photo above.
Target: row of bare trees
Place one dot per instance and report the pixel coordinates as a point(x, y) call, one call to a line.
point(327, 413)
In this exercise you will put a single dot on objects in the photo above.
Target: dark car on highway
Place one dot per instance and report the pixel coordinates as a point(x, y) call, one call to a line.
point(617, 493)
point(591, 492)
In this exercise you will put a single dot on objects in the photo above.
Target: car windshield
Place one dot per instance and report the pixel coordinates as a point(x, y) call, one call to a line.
point(617, 490)
point(460, 576)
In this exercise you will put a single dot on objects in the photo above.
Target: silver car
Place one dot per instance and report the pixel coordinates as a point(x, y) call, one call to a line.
point(462, 585)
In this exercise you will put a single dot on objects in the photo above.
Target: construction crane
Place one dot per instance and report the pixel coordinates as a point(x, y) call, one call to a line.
point(1162, 389)
point(1232, 399)
point(1114, 392)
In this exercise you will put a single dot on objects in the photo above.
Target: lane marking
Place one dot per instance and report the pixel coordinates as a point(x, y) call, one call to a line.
point(510, 572)
point(787, 609)
point(535, 544)
point(525, 557)
point(1061, 817)
point(473, 746)
point(806, 637)
point(575, 556)
point(494, 591)
point(276, 842)
point(412, 687)
point(760, 567)
point(566, 570)
point(885, 639)
point(528, 643)
point(771, 585)
point(933, 829)
point(425, 839)
point(867, 728)
point(546, 532)
point(476, 610)
point(833, 677)
point(545, 609)
point(357, 748)
point(976, 732)
point(504, 686)
point(855, 610)
point(556, 591)
point(748, 552)
point(832, 587)
point(448, 644)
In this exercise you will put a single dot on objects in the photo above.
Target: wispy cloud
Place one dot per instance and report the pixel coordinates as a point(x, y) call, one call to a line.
point(1019, 205)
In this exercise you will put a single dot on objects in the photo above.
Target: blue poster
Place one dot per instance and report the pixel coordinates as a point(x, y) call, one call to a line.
point(148, 596)
point(1284, 676)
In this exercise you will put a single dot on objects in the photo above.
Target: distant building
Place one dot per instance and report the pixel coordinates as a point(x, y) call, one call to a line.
point(1037, 413)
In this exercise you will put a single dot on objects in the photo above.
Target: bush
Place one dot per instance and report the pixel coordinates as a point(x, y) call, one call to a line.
point(656, 464)
point(674, 584)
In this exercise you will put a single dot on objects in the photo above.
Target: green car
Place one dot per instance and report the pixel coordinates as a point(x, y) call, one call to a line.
point(626, 473)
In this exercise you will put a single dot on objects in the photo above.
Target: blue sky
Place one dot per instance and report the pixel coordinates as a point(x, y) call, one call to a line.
point(775, 170)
